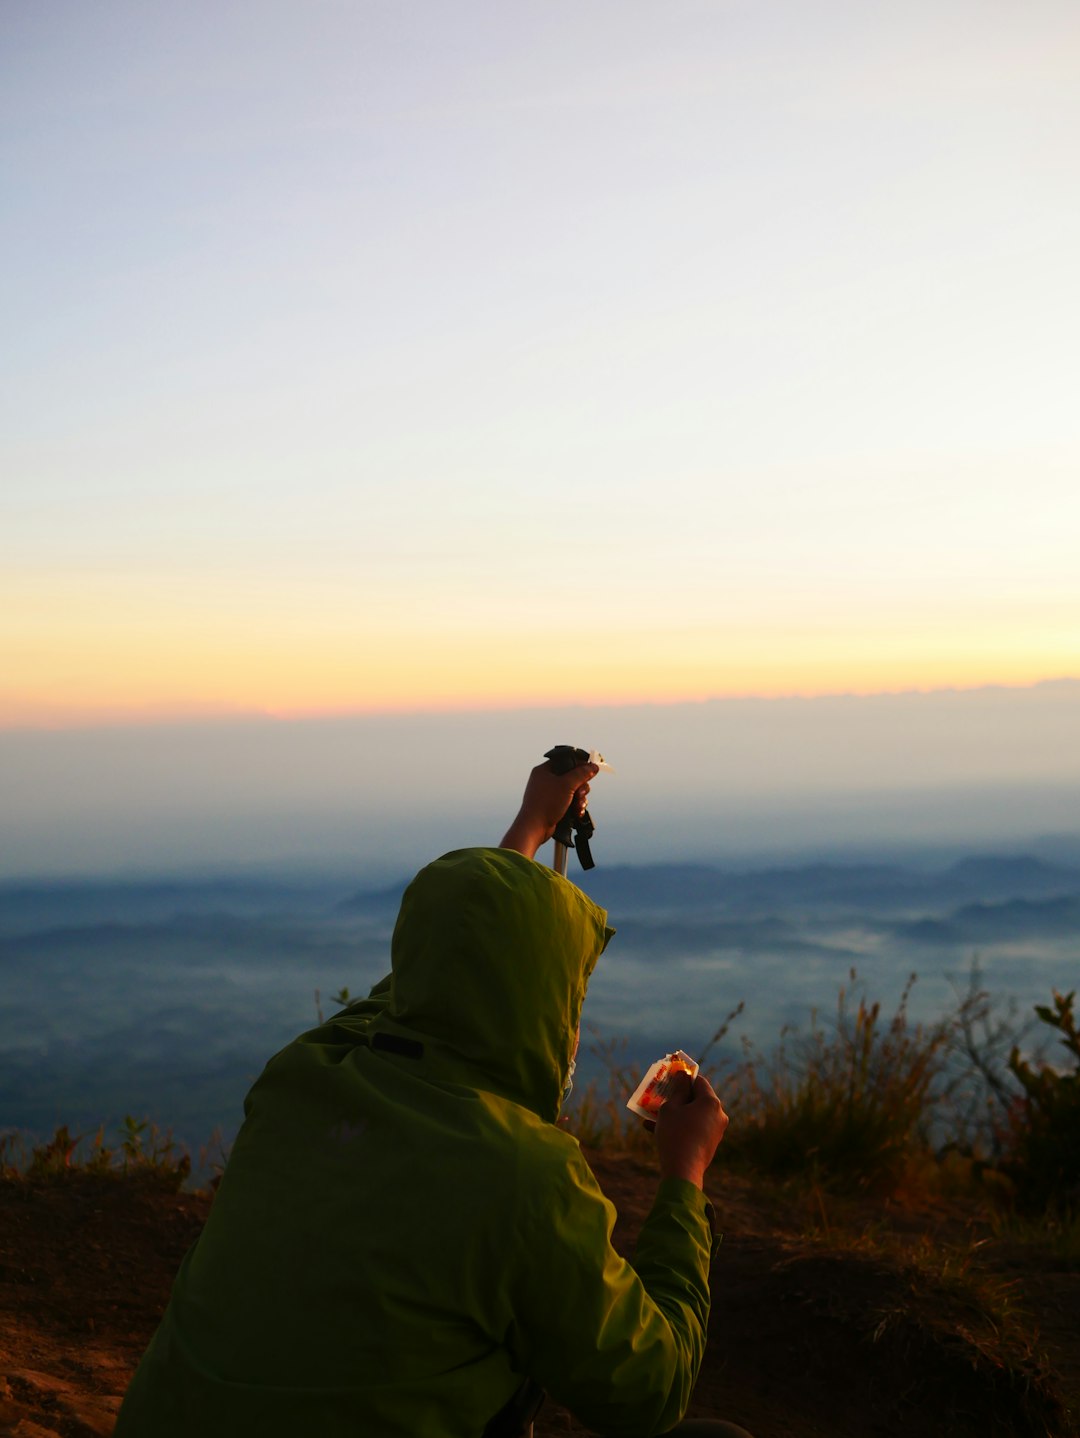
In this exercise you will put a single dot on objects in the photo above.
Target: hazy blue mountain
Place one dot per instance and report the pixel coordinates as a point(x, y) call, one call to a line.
point(385, 900)
point(1015, 876)
point(997, 923)
point(56, 903)
point(928, 931)
point(874, 886)
point(706, 935)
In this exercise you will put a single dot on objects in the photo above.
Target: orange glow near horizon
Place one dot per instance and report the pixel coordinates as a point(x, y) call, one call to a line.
point(166, 652)
point(259, 674)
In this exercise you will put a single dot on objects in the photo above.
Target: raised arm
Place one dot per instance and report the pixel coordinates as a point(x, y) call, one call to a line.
point(546, 799)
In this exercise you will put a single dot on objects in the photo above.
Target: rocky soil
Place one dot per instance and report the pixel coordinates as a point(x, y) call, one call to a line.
point(827, 1323)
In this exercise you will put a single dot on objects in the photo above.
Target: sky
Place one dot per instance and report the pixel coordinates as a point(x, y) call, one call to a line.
point(415, 358)
point(370, 798)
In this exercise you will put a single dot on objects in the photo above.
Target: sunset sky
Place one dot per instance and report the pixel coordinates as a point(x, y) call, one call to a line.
point(380, 356)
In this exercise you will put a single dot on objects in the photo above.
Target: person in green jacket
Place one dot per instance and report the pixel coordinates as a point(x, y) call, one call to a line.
point(404, 1243)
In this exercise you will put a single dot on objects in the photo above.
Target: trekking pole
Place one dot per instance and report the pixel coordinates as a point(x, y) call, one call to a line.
point(573, 830)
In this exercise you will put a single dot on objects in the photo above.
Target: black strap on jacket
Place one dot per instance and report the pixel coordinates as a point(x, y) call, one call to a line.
point(392, 1044)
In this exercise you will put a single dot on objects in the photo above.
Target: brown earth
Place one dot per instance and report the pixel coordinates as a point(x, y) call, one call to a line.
point(860, 1322)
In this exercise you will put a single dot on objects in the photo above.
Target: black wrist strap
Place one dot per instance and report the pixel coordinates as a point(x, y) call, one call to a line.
point(562, 759)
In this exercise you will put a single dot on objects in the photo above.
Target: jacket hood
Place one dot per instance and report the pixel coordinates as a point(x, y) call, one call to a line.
point(492, 953)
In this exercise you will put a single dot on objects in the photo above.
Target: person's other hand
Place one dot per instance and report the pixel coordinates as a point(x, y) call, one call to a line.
point(546, 799)
point(689, 1128)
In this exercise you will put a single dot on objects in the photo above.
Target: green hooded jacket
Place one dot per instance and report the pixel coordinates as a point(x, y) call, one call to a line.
point(403, 1234)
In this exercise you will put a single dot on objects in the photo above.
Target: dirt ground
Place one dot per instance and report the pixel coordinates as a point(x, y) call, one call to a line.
point(809, 1338)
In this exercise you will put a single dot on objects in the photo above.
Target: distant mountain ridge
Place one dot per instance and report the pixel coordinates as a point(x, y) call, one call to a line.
point(993, 878)
point(1013, 871)
point(990, 879)
point(60, 903)
point(1057, 917)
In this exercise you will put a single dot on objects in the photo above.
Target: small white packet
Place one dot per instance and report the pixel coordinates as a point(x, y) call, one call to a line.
point(652, 1092)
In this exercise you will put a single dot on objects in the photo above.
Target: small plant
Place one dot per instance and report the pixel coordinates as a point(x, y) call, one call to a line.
point(213, 1156)
point(1042, 1143)
point(55, 1156)
point(147, 1149)
point(721, 1032)
point(342, 999)
point(131, 1139)
point(848, 1107)
point(11, 1150)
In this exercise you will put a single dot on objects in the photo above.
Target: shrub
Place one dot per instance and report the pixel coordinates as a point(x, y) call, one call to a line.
point(847, 1106)
point(1042, 1139)
point(144, 1151)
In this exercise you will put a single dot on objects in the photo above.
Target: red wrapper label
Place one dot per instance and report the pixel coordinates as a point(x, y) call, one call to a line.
point(652, 1092)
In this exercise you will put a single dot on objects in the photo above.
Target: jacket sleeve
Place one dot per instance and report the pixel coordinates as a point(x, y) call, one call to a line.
point(620, 1345)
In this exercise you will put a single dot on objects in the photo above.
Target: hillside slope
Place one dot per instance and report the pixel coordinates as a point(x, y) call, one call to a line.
point(859, 1322)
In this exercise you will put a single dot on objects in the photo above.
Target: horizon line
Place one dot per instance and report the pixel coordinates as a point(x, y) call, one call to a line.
point(197, 716)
